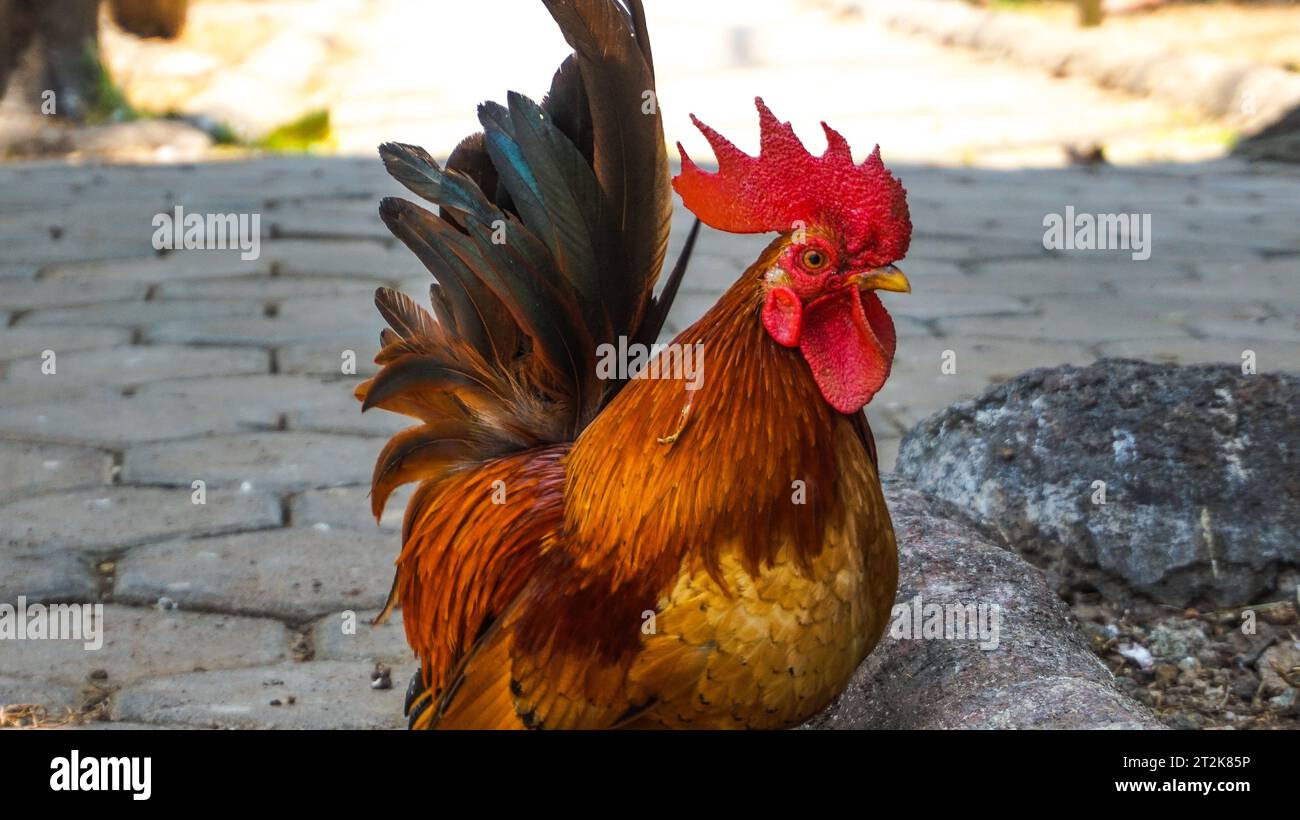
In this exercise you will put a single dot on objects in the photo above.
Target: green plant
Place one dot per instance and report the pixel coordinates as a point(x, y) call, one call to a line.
point(310, 132)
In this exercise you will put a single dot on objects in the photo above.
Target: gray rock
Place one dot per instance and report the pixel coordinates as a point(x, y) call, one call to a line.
point(1202, 491)
point(1279, 669)
point(1040, 674)
point(1174, 640)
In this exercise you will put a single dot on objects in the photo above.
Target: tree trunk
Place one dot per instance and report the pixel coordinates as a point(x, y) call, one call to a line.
point(68, 35)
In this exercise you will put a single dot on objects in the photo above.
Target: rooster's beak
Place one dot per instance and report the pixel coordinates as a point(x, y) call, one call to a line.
point(885, 278)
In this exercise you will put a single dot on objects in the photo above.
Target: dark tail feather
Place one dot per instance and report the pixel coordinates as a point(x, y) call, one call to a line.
point(551, 232)
point(631, 162)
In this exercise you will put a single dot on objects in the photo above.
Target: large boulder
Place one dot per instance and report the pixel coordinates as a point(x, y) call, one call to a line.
point(1179, 483)
point(1029, 667)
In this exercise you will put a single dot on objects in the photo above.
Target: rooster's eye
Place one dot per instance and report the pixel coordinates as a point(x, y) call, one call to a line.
point(813, 259)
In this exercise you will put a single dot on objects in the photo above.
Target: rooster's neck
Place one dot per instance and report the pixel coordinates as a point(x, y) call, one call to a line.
point(749, 461)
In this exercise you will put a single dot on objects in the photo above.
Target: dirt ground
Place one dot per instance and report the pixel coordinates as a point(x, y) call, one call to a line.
point(1202, 670)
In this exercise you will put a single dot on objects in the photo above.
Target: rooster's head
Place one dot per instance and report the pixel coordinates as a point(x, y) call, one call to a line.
point(843, 226)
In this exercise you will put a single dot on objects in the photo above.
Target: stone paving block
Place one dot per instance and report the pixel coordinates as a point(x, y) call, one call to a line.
point(387, 261)
point(41, 576)
point(1249, 233)
point(1208, 249)
point(110, 518)
point(86, 223)
point(984, 359)
point(335, 310)
point(713, 272)
point(56, 698)
point(1091, 319)
point(169, 267)
point(342, 414)
point(300, 402)
point(385, 643)
point(43, 251)
point(115, 726)
point(328, 223)
point(348, 508)
point(1251, 330)
point(886, 451)
point(313, 695)
point(324, 357)
point(21, 341)
point(1270, 356)
point(293, 574)
point(971, 249)
point(923, 272)
point(31, 468)
point(1064, 275)
point(918, 384)
point(269, 288)
point(259, 332)
point(139, 364)
point(925, 306)
point(687, 308)
point(417, 288)
point(1277, 276)
point(1274, 291)
point(141, 643)
point(144, 314)
point(44, 391)
point(18, 271)
point(276, 462)
point(45, 293)
point(112, 421)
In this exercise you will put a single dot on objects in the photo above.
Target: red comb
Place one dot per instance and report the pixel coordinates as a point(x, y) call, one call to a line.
point(785, 184)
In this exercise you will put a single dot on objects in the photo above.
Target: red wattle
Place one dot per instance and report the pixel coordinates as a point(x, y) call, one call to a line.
point(781, 316)
point(848, 341)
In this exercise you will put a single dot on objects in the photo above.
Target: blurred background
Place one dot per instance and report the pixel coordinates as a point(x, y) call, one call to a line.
point(180, 79)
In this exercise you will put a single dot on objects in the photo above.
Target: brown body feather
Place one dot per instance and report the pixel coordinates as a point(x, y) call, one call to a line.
point(762, 605)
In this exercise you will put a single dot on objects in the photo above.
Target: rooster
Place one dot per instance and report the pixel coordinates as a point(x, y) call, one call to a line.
point(588, 552)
